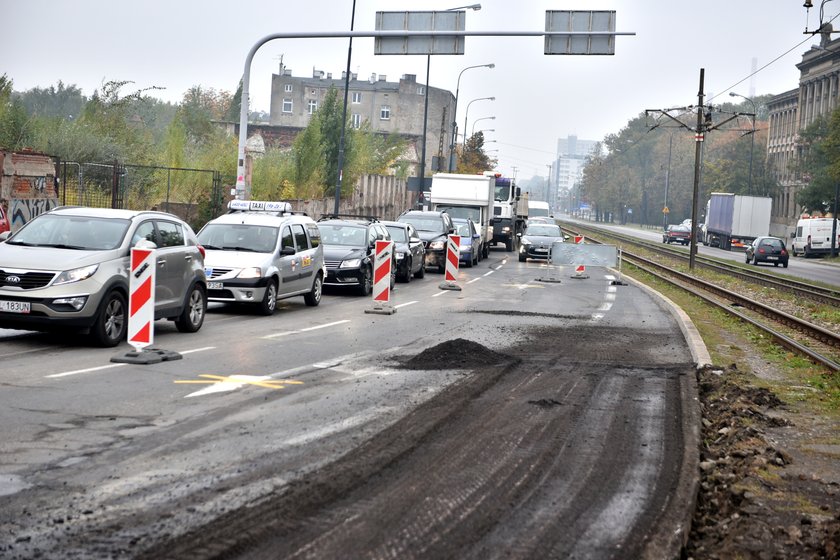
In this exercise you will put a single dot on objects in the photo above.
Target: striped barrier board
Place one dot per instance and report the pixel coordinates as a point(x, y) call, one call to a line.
point(382, 271)
point(453, 255)
point(141, 298)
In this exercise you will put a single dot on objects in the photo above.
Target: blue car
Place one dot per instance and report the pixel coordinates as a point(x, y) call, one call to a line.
point(470, 245)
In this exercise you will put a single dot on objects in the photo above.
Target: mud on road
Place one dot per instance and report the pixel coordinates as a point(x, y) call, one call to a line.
point(541, 452)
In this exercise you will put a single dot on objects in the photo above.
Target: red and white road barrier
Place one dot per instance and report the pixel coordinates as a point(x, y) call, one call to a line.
point(141, 298)
point(453, 255)
point(580, 270)
point(382, 271)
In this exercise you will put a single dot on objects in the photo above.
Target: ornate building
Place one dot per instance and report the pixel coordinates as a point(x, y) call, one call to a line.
point(793, 111)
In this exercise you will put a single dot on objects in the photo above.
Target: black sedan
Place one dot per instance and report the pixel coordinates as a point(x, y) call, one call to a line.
point(537, 240)
point(409, 250)
point(767, 249)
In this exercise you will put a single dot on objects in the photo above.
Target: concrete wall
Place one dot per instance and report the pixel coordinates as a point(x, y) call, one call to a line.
point(384, 197)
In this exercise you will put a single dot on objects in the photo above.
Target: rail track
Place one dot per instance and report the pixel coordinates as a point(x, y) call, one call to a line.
point(820, 344)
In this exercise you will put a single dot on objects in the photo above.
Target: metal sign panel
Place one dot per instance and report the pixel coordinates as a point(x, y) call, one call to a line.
point(583, 254)
point(420, 21)
point(584, 22)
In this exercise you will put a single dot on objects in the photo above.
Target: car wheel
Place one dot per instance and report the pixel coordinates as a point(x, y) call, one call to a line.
point(269, 301)
point(313, 297)
point(192, 317)
point(366, 284)
point(522, 258)
point(755, 260)
point(393, 275)
point(747, 258)
point(475, 260)
point(421, 272)
point(784, 264)
point(406, 277)
point(111, 323)
point(509, 245)
point(468, 263)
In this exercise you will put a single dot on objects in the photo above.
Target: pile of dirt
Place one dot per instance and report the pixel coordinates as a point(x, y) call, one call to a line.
point(456, 354)
point(747, 505)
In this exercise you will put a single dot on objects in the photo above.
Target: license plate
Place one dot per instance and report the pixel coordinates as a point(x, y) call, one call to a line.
point(772, 258)
point(14, 306)
point(215, 285)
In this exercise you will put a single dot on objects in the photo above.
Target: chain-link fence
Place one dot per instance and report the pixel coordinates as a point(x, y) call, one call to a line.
point(195, 195)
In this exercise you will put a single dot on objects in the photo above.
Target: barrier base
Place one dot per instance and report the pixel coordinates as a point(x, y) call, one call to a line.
point(618, 283)
point(550, 280)
point(449, 286)
point(146, 356)
point(577, 276)
point(381, 309)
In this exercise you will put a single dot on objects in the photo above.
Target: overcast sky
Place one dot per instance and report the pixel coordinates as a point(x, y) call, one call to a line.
point(176, 44)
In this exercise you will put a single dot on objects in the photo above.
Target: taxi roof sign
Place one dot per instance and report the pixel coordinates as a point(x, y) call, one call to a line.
point(259, 206)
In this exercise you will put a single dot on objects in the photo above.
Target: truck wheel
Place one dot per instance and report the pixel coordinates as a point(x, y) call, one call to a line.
point(508, 245)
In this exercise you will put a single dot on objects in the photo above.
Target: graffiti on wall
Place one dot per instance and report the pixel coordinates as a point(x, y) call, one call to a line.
point(23, 210)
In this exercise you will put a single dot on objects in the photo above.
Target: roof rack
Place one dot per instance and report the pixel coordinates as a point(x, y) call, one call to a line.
point(348, 216)
point(265, 207)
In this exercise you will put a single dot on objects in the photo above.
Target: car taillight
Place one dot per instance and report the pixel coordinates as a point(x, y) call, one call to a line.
point(784, 252)
point(202, 251)
point(761, 250)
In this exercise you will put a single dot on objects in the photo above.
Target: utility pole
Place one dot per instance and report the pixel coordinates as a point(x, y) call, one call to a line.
point(699, 136)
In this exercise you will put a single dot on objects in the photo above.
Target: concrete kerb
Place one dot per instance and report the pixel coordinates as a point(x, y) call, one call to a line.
point(671, 534)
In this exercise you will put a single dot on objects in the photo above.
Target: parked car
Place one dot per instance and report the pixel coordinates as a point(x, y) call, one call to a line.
point(813, 236)
point(677, 234)
point(349, 250)
point(68, 268)
point(408, 250)
point(4, 221)
point(433, 228)
point(469, 247)
point(767, 249)
point(537, 240)
point(261, 252)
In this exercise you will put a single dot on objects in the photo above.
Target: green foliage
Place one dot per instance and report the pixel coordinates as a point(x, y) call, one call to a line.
point(273, 176)
point(819, 163)
point(15, 129)
point(309, 161)
point(328, 119)
point(56, 101)
point(473, 158)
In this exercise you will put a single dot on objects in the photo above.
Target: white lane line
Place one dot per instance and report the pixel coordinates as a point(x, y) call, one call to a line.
point(406, 304)
point(606, 306)
point(86, 370)
point(440, 293)
point(474, 280)
point(287, 333)
point(489, 273)
point(112, 366)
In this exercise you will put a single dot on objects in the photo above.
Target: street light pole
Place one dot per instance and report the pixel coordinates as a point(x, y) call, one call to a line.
point(752, 144)
point(667, 182)
point(344, 116)
point(453, 139)
point(467, 113)
point(477, 120)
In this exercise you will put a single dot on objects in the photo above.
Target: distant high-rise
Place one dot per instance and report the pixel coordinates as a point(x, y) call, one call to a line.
point(567, 170)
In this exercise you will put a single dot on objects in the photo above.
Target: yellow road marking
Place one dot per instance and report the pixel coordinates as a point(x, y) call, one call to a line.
point(240, 380)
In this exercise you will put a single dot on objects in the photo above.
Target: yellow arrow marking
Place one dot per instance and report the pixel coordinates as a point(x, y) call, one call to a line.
point(241, 380)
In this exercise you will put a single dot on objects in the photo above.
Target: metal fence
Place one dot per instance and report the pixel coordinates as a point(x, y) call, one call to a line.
point(195, 195)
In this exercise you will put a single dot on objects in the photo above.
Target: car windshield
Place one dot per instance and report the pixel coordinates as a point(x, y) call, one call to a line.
point(239, 237)
point(463, 230)
point(351, 236)
point(398, 234)
point(774, 243)
point(546, 230)
point(463, 212)
point(82, 233)
point(424, 224)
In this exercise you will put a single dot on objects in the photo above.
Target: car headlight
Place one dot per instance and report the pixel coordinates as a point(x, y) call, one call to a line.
point(76, 275)
point(399, 256)
point(437, 245)
point(506, 229)
point(525, 241)
point(351, 263)
point(250, 272)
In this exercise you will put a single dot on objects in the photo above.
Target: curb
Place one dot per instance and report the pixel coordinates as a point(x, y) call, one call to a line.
point(671, 531)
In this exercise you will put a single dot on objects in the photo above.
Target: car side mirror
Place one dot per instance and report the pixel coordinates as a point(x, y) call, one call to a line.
point(519, 234)
point(4, 236)
point(414, 240)
point(451, 231)
point(792, 235)
point(287, 250)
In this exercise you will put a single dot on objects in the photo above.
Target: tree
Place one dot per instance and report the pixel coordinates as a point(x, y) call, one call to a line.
point(819, 164)
point(16, 131)
point(473, 158)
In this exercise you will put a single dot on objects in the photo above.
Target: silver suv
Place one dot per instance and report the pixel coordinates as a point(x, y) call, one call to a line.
point(68, 268)
point(261, 252)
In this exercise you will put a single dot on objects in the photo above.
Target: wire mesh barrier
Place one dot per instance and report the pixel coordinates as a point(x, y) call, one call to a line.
point(195, 195)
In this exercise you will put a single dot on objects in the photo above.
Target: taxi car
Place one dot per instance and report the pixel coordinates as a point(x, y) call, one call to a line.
point(261, 252)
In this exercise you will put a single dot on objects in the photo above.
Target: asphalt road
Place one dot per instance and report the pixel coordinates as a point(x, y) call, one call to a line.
point(571, 433)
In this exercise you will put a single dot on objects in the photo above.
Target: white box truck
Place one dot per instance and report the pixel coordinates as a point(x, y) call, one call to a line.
point(466, 196)
point(538, 208)
point(734, 220)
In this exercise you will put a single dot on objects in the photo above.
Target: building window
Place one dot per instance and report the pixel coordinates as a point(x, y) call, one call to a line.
point(312, 106)
point(356, 120)
point(357, 97)
point(421, 90)
point(288, 88)
point(287, 105)
point(385, 113)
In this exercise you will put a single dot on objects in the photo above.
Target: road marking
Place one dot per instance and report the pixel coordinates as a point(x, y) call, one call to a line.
point(441, 293)
point(86, 370)
point(221, 383)
point(406, 304)
point(287, 333)
point(474, 280)
point(111, 366)
point(489, 273)
point(606, 306)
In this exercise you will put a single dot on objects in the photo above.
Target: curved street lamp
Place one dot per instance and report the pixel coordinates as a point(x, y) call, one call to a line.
point(455, 114)
point(481, 119)
point(467, 112)
point(752, 144)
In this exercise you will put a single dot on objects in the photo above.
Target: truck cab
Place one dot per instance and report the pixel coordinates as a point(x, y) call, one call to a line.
point(510, 211)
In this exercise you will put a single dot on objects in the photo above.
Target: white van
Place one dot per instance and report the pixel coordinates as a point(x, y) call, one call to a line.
point(813, 236)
